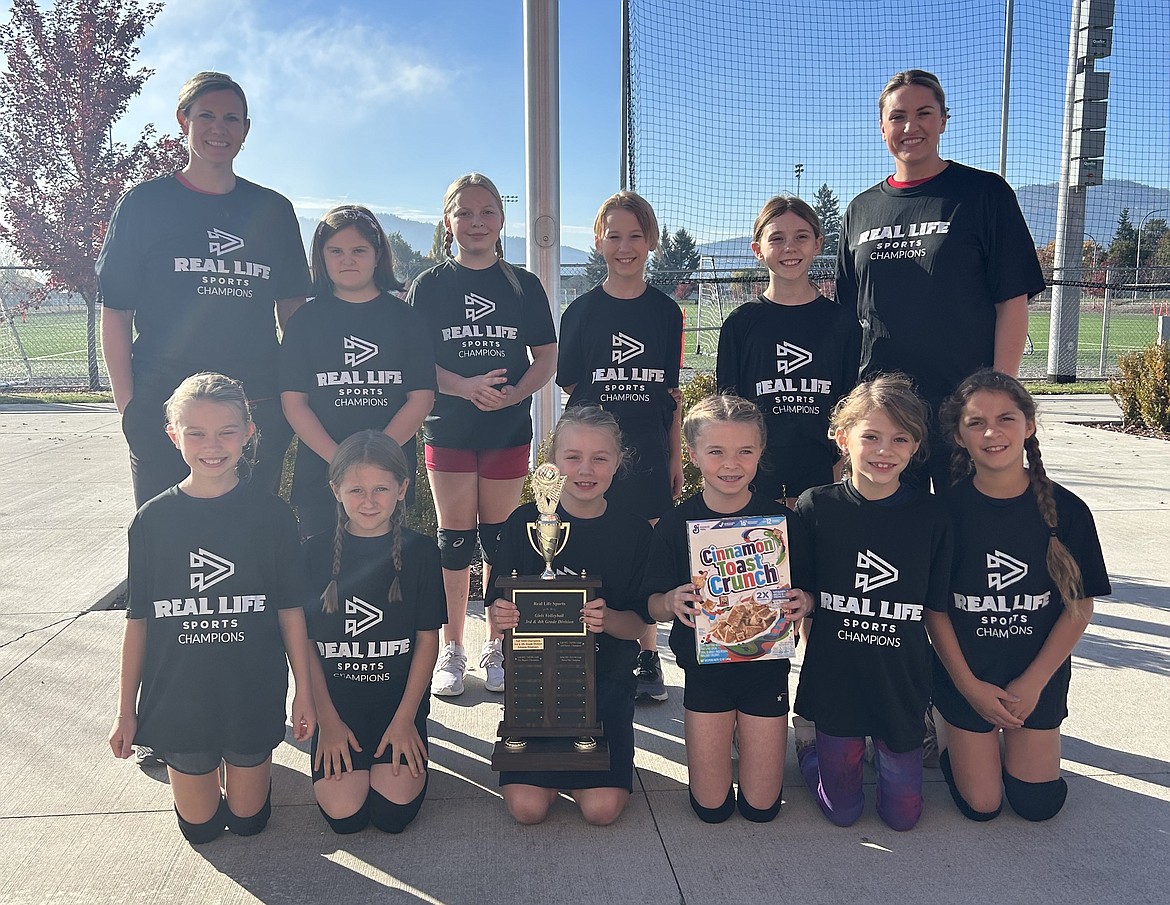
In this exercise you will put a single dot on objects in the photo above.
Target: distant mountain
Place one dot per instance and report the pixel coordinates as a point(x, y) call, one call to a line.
point(418, 235)
point(1103, 205)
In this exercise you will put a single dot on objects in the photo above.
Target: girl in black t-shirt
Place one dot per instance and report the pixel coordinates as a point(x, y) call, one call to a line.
point(1027, 567)
point(725, 436)
point(878, 555)
point(610, 544)
point(354, 358)
point(214, 605)
point(377, 636)
point(495, 345)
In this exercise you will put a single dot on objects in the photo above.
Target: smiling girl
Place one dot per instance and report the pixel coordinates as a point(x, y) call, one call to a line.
point(355, 358)
point(878, 557)
point(1027, 567)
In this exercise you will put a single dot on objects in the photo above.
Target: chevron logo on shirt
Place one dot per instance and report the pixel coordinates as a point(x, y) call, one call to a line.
point(880, 574)
point(790, 358)
point(363, 350)
point(370, 616)
point(1009, 570)
point(223, 242)
point(476, 306)
point(216, 569)
point(625, 348)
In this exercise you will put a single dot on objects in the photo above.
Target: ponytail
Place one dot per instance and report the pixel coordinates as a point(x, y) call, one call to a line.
point(1063, 568)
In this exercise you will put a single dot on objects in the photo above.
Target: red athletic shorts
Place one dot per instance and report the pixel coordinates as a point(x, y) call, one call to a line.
point(493, 464)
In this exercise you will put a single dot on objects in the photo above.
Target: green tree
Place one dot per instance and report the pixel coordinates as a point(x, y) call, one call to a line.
point(595, 269)
point(68, 79)
point(1152, 234)
point(408, 263)
point(1123, 248)
point(661, 264)
point(675, 261)
point(828, 208)
point(438, 251)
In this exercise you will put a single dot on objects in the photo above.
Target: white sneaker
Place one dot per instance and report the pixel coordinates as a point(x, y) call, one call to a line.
point(491, 661)
point(448, 678)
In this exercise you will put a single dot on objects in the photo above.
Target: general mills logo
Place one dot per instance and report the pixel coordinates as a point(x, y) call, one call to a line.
point(880, 573)
point(370, 616)
point(476, 306)
point(215, 569)
point(625, 348)
point(223, 242)
point(789, 357)
point(1004, 570)
point(362, 350)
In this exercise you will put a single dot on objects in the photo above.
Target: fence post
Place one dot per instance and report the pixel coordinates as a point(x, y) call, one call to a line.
point(1163, 328)
point(6, 313)
point(1105, 318)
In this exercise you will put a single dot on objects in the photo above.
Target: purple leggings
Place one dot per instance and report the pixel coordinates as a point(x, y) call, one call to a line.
point(832, 771)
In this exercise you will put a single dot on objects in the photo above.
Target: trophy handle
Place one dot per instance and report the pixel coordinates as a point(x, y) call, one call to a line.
point(565, 527)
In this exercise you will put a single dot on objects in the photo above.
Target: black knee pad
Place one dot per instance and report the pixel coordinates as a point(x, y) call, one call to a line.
point(758, 815)
point(944, 764)
point(490, 535)
point(714, 815)
point(201, 833)
point(394, 818)
point(456, 548)
point(354, 823)
point(1035, 800)
point(250, 826)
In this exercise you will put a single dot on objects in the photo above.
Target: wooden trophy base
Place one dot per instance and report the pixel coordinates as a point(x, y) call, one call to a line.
point(558, 753)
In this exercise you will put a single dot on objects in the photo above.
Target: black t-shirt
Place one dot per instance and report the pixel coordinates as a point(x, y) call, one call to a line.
point(873, 568)
point(670, 564)
point(477, 323)
point(356, 363)
point(926, 266)
point(794, 362)
point(1003, 602)
point(366, 645)
point(201, 273)
point(612, 547)
point(209, 576)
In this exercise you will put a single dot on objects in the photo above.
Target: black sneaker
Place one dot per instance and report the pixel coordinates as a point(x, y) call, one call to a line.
point(649, 673)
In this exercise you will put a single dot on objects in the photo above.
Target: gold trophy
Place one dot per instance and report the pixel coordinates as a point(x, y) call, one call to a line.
point(548, 534)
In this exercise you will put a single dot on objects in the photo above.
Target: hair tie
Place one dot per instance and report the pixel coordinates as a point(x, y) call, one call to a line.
point(1052, 532)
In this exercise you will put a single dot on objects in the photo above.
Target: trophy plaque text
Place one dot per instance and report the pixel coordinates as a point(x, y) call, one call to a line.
point(550, 672)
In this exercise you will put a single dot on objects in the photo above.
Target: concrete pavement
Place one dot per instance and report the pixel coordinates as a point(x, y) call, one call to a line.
point(76, 825)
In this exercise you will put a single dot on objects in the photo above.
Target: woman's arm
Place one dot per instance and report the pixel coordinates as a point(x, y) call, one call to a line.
point(1011, 334)
point(130, 680)
point(117, 339)
point(308, 427)
point(296, 645)
point(408, 419)
point(1057, 648)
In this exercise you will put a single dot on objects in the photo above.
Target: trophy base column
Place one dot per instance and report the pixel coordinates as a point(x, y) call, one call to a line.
point(557, 753)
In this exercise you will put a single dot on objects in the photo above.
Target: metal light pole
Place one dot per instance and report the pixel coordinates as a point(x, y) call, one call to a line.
point(1137, 261)
point(798, 171)
point(507, 199)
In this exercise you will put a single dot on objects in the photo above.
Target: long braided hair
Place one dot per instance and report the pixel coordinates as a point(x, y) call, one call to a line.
point(368, 447)
point(1063, 568)
point(453, 190)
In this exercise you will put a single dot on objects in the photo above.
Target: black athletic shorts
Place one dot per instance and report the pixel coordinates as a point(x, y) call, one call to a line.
point(759, 688)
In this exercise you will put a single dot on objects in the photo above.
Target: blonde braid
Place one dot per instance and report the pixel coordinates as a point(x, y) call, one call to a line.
point(396, 522)
point(1063, 568)
point(329, 597)
point(448, 241)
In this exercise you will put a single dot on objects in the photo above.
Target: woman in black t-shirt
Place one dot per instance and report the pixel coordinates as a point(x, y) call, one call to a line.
point(1027, 567)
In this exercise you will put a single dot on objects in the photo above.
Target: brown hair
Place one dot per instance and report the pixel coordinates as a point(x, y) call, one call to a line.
point(914, 77)
point(453, 190)
point(1062, 567)
point(207, 386)
point(636, 205)
point(364, 221)
point(892, 394)
point(722, 408)
point(777, 206)
point(203, 82)
point(368, 447)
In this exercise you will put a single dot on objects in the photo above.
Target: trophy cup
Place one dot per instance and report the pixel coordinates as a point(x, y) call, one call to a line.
point(550, 662)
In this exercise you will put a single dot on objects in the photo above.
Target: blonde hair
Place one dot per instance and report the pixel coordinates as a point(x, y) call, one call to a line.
point(1062, 567)
point(591, 416)
point(202, 83)
point(453, 190)
point(722, 408)
point(918, 77)
point(207, 386)
point(779, 205)
point(368, 447)
point(892, 394)
point(636, 205)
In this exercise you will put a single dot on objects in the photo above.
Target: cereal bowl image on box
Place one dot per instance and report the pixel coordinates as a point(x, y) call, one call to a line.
point(752, 626)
